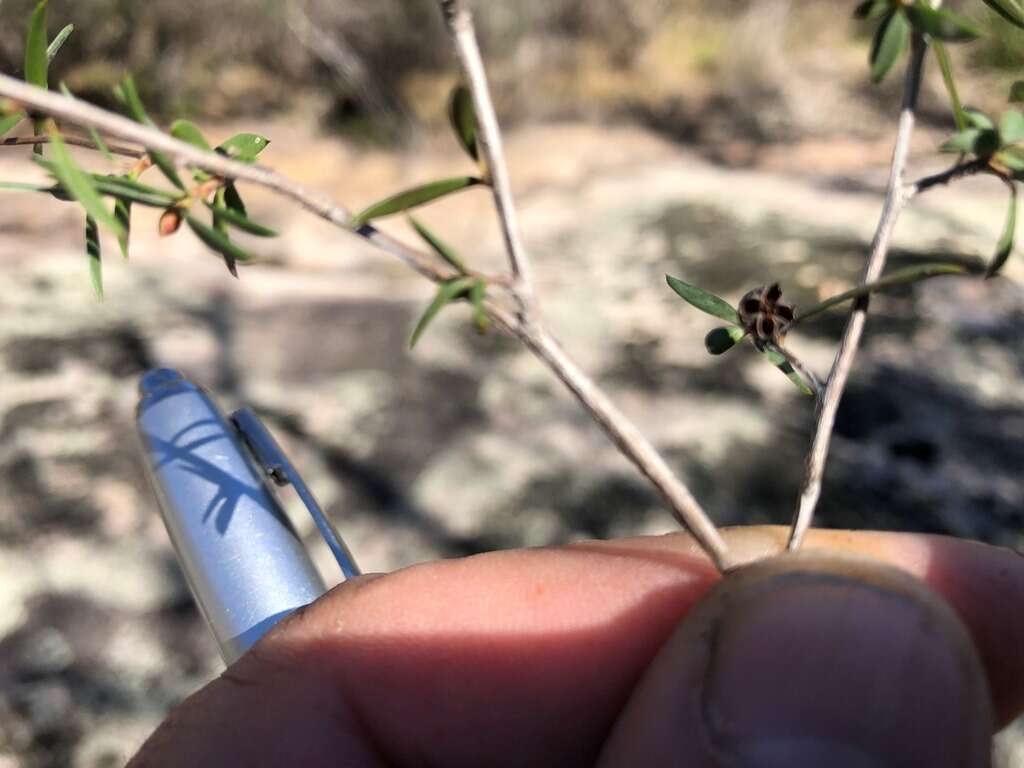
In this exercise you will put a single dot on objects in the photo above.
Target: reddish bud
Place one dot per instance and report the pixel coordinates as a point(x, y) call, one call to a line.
point(169, 222)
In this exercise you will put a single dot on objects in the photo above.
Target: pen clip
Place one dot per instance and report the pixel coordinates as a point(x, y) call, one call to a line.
point(278, 468)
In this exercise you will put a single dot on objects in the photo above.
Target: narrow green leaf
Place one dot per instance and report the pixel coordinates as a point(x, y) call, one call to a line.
point(412, 198)
point(462, 116)
point(123, 213)
point(79, 184)
point(446, 293)
point(189, 132)
point(720, 340)
point(1012, 158)
point(1016, 92)
point(939, 24)
point(439, 246)
point(58, 42)
point(946, 67)
point(477, 294)
point(871, 9)
point(1011, 10)
point(92, 250)
point(978, 119)
point(219, 242)
point(239, 220)
point(124, 188)
point(101, 145)
point(704, 301)
point(219, 223)
point(783, 365)
point(1011, 127)
point(7, 123)
point(1005, 245)
point(244, 147)
point(36, 62)
point(129, 95)
point(232, 199)
point(19, 186)
point(890, 40)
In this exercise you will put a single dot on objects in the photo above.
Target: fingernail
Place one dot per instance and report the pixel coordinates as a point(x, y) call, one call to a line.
point(800, 664)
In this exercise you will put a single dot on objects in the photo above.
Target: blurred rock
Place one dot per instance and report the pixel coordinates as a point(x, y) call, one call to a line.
point(468, 443)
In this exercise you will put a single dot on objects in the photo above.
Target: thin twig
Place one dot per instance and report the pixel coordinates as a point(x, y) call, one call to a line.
point(460, 26)
point(802, 370)
point(958, 171)
point(24, 141)
point(615, 424)
point(622, 432)
point(895, 199)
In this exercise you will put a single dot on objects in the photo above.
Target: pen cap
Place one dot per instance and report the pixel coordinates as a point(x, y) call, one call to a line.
point(242, 559)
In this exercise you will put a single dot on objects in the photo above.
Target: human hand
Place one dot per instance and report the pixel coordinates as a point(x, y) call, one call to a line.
point(633, 652)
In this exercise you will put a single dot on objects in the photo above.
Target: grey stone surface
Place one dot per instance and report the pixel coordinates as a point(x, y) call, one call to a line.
point(467, 443)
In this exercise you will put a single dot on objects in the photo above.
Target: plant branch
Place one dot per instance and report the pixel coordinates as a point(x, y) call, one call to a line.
point(895, 199)
point(531, 331)
point(615, 424)
point(460, 26)
point(77, 141)
point(958, 171)
point(802, 370)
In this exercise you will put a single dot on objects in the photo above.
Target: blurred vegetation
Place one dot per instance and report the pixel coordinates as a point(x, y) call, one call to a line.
point(761, 69)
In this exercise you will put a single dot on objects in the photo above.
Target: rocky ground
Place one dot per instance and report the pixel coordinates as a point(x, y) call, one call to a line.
point(468, 443)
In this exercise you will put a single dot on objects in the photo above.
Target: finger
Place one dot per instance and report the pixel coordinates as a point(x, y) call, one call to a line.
point(811, 660)
point(527, 657)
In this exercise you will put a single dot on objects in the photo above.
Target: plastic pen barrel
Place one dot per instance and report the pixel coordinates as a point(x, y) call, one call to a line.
point(243, 560)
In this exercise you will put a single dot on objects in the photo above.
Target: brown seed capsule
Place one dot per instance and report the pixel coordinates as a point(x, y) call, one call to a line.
point(764, 314)
point(169, 222)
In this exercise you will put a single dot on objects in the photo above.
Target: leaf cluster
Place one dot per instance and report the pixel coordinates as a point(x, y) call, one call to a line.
point(94, 191)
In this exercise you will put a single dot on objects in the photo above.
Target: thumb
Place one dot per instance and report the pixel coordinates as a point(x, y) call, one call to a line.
point(811, 660)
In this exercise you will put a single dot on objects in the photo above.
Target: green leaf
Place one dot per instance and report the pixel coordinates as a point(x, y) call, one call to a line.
point(1011, 10)
point(58, 42)
point(974, 140)
point(240, 220)
point(129, 95)
point(92, 250)
point(1012, 158)
point(218, 242)
point(463, 119)
point(871, 9)
point(704, 301)
point(19, 186)
point(1011, 127)
point(1016, 92)
point(79, 184)
point(244, 147)
point(1005, 245)
point(36, 62)
point(7, 123)
point(477, 294)
point(439, 246)
point(189, 132)
point(946, 67)
point(890, 40)
point(412, 198)
point(447, 292)
point(125, 188)
point(896, 277)
point(721, 340)
point(978, 119)
point(123, 213)
point(232, 199)
point(939, 24)
point(783, 365)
